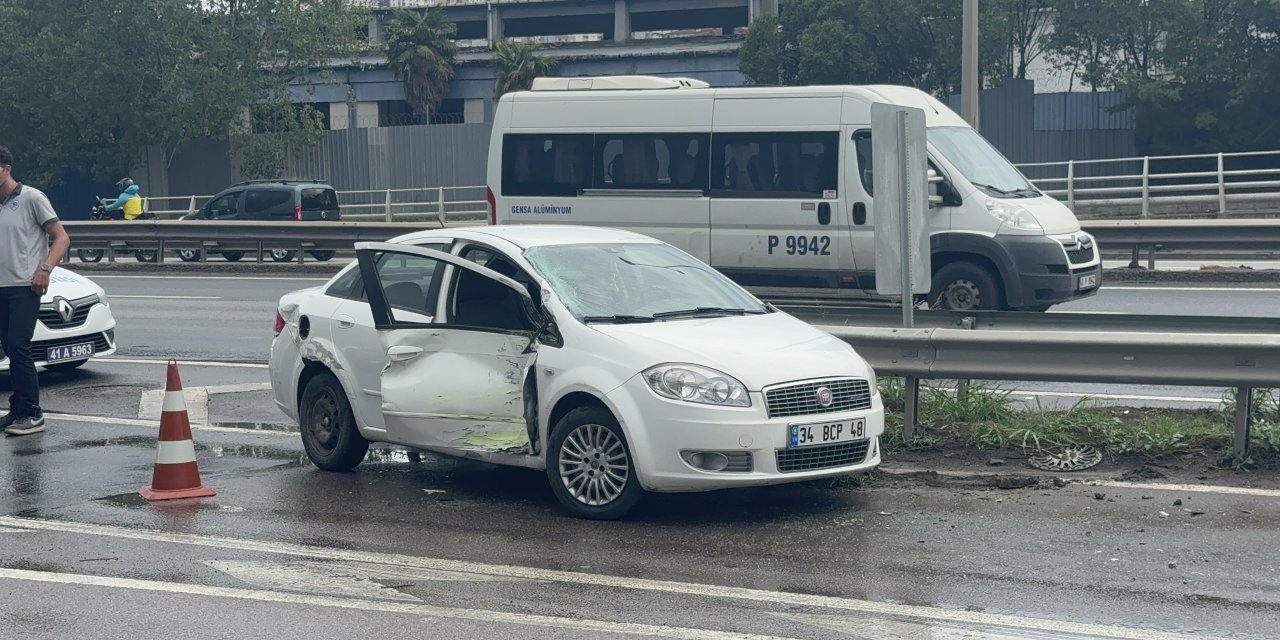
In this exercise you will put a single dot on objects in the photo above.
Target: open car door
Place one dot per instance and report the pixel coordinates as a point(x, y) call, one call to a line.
point(458, 382)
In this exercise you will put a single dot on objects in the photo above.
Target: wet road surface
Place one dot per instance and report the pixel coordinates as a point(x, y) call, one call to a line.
point(470, 550)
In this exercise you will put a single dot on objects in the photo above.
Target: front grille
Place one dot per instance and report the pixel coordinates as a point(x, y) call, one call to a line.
point(799, 399)
point(1081, 255)
point(825, 456)
point(51, 318)
point(40, 350)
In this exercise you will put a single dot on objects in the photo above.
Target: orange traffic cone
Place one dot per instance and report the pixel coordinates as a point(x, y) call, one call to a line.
point(176, 475)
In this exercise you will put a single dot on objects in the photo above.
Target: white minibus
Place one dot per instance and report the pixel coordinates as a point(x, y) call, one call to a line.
point(773, 186)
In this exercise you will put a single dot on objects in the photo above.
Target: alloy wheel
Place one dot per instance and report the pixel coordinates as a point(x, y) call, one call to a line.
point(593, 465)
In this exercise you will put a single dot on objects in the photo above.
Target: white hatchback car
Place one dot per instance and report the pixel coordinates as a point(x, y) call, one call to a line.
point(75, 324)
point(614, 362)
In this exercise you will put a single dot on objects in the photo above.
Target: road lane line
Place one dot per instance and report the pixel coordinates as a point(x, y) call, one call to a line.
point(1189, 488)
point(93, 276)
point(117, 296)
point(186, 363)
point(478, 615)
point(589, 579)
point(1107, 287)
point(155, 424)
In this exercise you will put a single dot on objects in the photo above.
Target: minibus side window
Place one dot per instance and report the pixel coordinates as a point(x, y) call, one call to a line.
point(775, 165)
point(652, 161)
point(862, 146)
point(546, 164)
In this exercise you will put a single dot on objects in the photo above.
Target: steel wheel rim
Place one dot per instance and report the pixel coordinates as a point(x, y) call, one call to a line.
point(962, 295)
point(593, 465)
point(324, 422)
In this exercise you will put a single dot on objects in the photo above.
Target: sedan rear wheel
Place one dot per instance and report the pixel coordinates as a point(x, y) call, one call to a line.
point(589, 465)
point(329, 432)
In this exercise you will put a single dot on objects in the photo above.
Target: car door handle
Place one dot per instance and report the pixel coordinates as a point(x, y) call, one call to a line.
point(824, 213)
point(402, 353)
point(859, 213)
point(346, 322)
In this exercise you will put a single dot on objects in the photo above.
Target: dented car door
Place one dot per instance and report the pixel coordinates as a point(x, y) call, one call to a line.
point(456, 383)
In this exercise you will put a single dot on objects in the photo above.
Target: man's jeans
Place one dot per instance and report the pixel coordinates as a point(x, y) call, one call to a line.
point(19, 307)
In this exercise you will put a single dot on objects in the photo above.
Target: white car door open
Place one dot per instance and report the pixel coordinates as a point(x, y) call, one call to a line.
point(456, 383)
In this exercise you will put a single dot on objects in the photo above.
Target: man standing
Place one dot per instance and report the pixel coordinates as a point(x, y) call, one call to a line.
point(27, 224)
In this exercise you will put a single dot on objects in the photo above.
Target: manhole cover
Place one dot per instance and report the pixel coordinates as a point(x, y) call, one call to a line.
point(1067, 459)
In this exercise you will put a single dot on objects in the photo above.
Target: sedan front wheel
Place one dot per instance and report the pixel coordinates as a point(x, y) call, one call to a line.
point(589, 465)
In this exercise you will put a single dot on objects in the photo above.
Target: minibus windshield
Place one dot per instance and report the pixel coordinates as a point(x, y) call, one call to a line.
point(980, 163)
point(637, 282)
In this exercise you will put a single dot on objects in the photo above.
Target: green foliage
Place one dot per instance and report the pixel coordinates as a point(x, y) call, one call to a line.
point(104, 81)
point(519, 65)
point(422, 52)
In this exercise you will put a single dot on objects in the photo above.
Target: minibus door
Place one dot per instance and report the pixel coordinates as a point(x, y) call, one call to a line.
point(776, 217)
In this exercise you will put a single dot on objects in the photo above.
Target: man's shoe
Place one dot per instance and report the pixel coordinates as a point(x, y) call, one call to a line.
point(7, 420)
point(25, 426)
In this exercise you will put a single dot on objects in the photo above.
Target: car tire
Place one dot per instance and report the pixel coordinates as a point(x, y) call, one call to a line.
point(323, 256)
point(966, 286)
point(90, 255)
point(283, 255)
point(146, 255)
point(63, 367)
point(329, 432)
point(599, 492)
point(189, 255)
point(232, 256)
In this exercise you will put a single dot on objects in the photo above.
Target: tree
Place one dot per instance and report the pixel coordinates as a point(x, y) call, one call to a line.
point(107, 80)
point(857, 42)
point(1015, 31)
point(519, 64)
point(422, 52)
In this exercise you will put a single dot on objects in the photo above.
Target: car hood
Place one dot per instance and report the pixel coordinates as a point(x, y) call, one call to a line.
point(1054, 216)
point(758, 350)
point(69, 285)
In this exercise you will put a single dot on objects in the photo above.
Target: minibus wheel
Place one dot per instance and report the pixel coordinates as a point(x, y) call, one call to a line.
point(966, 286)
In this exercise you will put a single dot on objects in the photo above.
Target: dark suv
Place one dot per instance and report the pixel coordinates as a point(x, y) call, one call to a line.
point(272, 201)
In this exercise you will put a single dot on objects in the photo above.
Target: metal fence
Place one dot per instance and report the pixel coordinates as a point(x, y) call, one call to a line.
point(386, 205)
point(1221, 184)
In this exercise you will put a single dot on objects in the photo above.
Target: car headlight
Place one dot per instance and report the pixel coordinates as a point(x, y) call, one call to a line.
point(874, 380)
point(692, 383)
point(1014, 216)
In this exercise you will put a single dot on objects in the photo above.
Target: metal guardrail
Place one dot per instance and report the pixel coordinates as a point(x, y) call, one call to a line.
point(1180, 351)
point(385, 205)
point(1132, 182)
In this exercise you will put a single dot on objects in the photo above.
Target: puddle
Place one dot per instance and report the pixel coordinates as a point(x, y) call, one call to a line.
point(244, 451)
point(123, 441)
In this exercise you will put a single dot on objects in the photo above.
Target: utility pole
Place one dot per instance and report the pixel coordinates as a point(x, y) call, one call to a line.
point(969, 79)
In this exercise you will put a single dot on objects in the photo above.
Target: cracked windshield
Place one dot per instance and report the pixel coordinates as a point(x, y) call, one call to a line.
point(659, 280)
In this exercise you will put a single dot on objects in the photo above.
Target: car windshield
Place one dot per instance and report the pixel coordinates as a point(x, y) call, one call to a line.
point(979, 162)
point(637, 282)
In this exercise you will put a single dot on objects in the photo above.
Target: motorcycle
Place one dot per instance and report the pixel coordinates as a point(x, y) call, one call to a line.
point(99, 212)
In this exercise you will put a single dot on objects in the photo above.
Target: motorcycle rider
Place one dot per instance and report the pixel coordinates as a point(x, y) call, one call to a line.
point(129, 200)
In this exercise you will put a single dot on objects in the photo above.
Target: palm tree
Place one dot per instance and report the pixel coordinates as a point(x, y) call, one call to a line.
point(422, 52)
point(518, 64)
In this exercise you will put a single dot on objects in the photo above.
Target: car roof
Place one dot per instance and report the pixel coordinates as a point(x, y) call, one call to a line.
point(529, 236)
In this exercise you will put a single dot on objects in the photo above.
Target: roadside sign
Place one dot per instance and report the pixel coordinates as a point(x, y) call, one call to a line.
point(901, 202)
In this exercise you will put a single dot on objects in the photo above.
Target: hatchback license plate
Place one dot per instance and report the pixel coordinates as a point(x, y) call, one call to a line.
point(830, 432)
point(69, 353)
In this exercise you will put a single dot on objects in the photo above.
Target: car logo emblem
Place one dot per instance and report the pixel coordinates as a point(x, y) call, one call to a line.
point(64, 308)
point(824, 397)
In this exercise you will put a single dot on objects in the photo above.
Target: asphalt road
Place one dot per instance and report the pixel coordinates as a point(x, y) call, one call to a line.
point(443, 548)
point(453, 549)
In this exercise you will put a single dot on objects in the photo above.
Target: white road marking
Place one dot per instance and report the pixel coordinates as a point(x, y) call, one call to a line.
point(237, 388)
point(891, 629)
point(1106, 287)
point(637, 584)
point(155, 424)
point(407, 608)
point(237, 278)
point(155, 401)
point(116, 296)
point(1188, 488)
point(350, 579)
point(185, 363)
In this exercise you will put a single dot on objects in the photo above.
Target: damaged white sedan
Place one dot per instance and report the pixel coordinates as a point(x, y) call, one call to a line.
point(616, 363)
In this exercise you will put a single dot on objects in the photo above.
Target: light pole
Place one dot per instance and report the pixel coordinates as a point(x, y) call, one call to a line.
point(969, 64)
